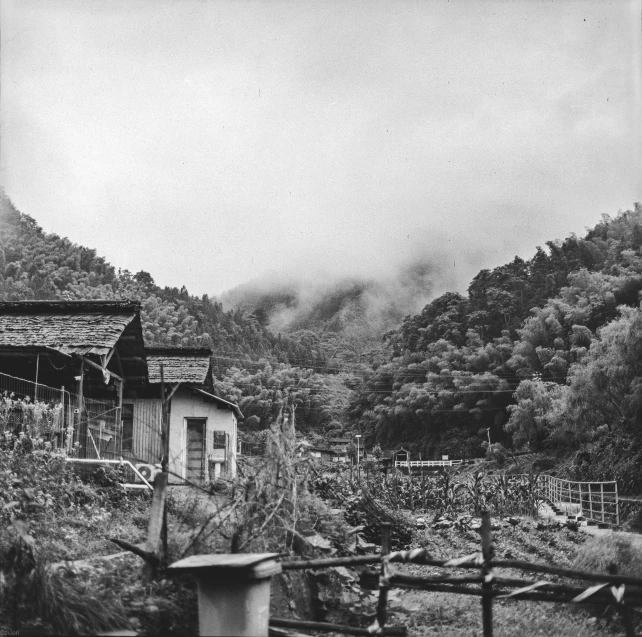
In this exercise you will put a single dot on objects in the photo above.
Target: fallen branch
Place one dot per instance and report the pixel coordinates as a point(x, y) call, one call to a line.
point(267, 520)
point(396, 631)
point(151, 558)
point(567, 572)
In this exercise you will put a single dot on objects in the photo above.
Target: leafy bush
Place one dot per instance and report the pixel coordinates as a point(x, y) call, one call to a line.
point(617, 456)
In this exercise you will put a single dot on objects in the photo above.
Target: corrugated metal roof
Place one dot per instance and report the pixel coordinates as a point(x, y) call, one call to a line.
point(178, 367)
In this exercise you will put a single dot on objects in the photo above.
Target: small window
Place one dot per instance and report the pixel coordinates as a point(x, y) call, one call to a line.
point(219, 440)
point(127, 417)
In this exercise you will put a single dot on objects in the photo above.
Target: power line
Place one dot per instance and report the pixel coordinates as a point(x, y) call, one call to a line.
point(379, 370)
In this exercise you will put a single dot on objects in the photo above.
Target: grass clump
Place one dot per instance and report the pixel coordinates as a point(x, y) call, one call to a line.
point(613, 553)
point(34, 597)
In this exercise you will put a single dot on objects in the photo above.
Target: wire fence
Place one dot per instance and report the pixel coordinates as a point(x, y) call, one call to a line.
point(37, 412)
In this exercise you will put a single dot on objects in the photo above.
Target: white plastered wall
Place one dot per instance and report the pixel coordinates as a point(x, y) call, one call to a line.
point(188, 404)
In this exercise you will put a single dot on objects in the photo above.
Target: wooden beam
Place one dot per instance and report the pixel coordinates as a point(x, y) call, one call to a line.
point(171, 393)
point(119, 363)
point(101, 369)
point(107, 357)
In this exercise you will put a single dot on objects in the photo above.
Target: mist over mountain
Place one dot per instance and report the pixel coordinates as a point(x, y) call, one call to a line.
point(285, 303)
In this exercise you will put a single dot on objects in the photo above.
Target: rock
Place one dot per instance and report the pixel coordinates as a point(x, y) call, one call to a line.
point(134, 623)
point(343, 573)
point(369, 547)
point(152, 610)
point(318, 541)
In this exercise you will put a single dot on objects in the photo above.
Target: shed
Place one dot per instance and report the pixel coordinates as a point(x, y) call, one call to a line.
point(203, 428)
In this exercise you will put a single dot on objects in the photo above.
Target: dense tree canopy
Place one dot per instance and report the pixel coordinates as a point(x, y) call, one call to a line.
point(540, 353)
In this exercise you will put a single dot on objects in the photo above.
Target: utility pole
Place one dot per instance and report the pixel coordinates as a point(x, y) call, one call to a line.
point(358, 436)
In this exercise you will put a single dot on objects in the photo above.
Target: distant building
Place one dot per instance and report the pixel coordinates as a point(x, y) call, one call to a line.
point(322, 454)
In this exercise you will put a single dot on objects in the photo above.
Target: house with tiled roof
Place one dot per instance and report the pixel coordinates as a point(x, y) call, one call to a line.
point(61, 340)
point(80, 355)
point(203, 428)
point(88, 359)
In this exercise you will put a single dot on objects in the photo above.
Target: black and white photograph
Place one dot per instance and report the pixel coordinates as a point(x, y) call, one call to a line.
point(321, 318)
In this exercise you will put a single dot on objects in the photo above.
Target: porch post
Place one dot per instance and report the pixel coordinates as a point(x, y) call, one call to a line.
point(82, 422)
point(119, 413)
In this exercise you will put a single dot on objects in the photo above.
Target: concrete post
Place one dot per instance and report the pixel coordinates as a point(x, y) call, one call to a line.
point(233, 592)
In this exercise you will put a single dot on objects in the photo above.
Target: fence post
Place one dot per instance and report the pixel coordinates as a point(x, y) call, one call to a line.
point(384, 584)
point(487, 587)
point(579, 486)
point(617, 507)
point(155, 528)
point(602, 498)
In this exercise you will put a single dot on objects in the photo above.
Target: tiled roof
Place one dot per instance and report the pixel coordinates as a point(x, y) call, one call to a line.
point(71, 327)
point(180, 365)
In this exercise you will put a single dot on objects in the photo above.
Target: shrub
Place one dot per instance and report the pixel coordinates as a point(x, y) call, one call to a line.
point(34, 598)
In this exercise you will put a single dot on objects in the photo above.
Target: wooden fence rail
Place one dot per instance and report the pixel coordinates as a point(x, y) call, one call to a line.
point(620, 591)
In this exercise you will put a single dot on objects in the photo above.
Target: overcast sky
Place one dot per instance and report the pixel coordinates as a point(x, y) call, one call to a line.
point(213, 142)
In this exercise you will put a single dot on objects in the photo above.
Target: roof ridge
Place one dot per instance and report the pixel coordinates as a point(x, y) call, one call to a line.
point(112, 306)
point(178, 351)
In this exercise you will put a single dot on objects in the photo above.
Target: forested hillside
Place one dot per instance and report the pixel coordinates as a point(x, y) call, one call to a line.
point(36, 265)
point(540, 354)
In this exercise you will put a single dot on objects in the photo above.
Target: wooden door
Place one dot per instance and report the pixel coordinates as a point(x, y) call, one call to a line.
point(195, 443)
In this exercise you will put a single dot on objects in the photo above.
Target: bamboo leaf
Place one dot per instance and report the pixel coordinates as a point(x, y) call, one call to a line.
point(618, 593)
point(525, 589)
point(473, 557)
point(588, 592)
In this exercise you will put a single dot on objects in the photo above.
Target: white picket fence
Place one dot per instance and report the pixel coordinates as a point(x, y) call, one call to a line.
point(426, 463)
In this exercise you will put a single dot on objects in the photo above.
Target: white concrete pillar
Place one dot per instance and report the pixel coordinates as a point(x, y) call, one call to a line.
point(233, 592)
